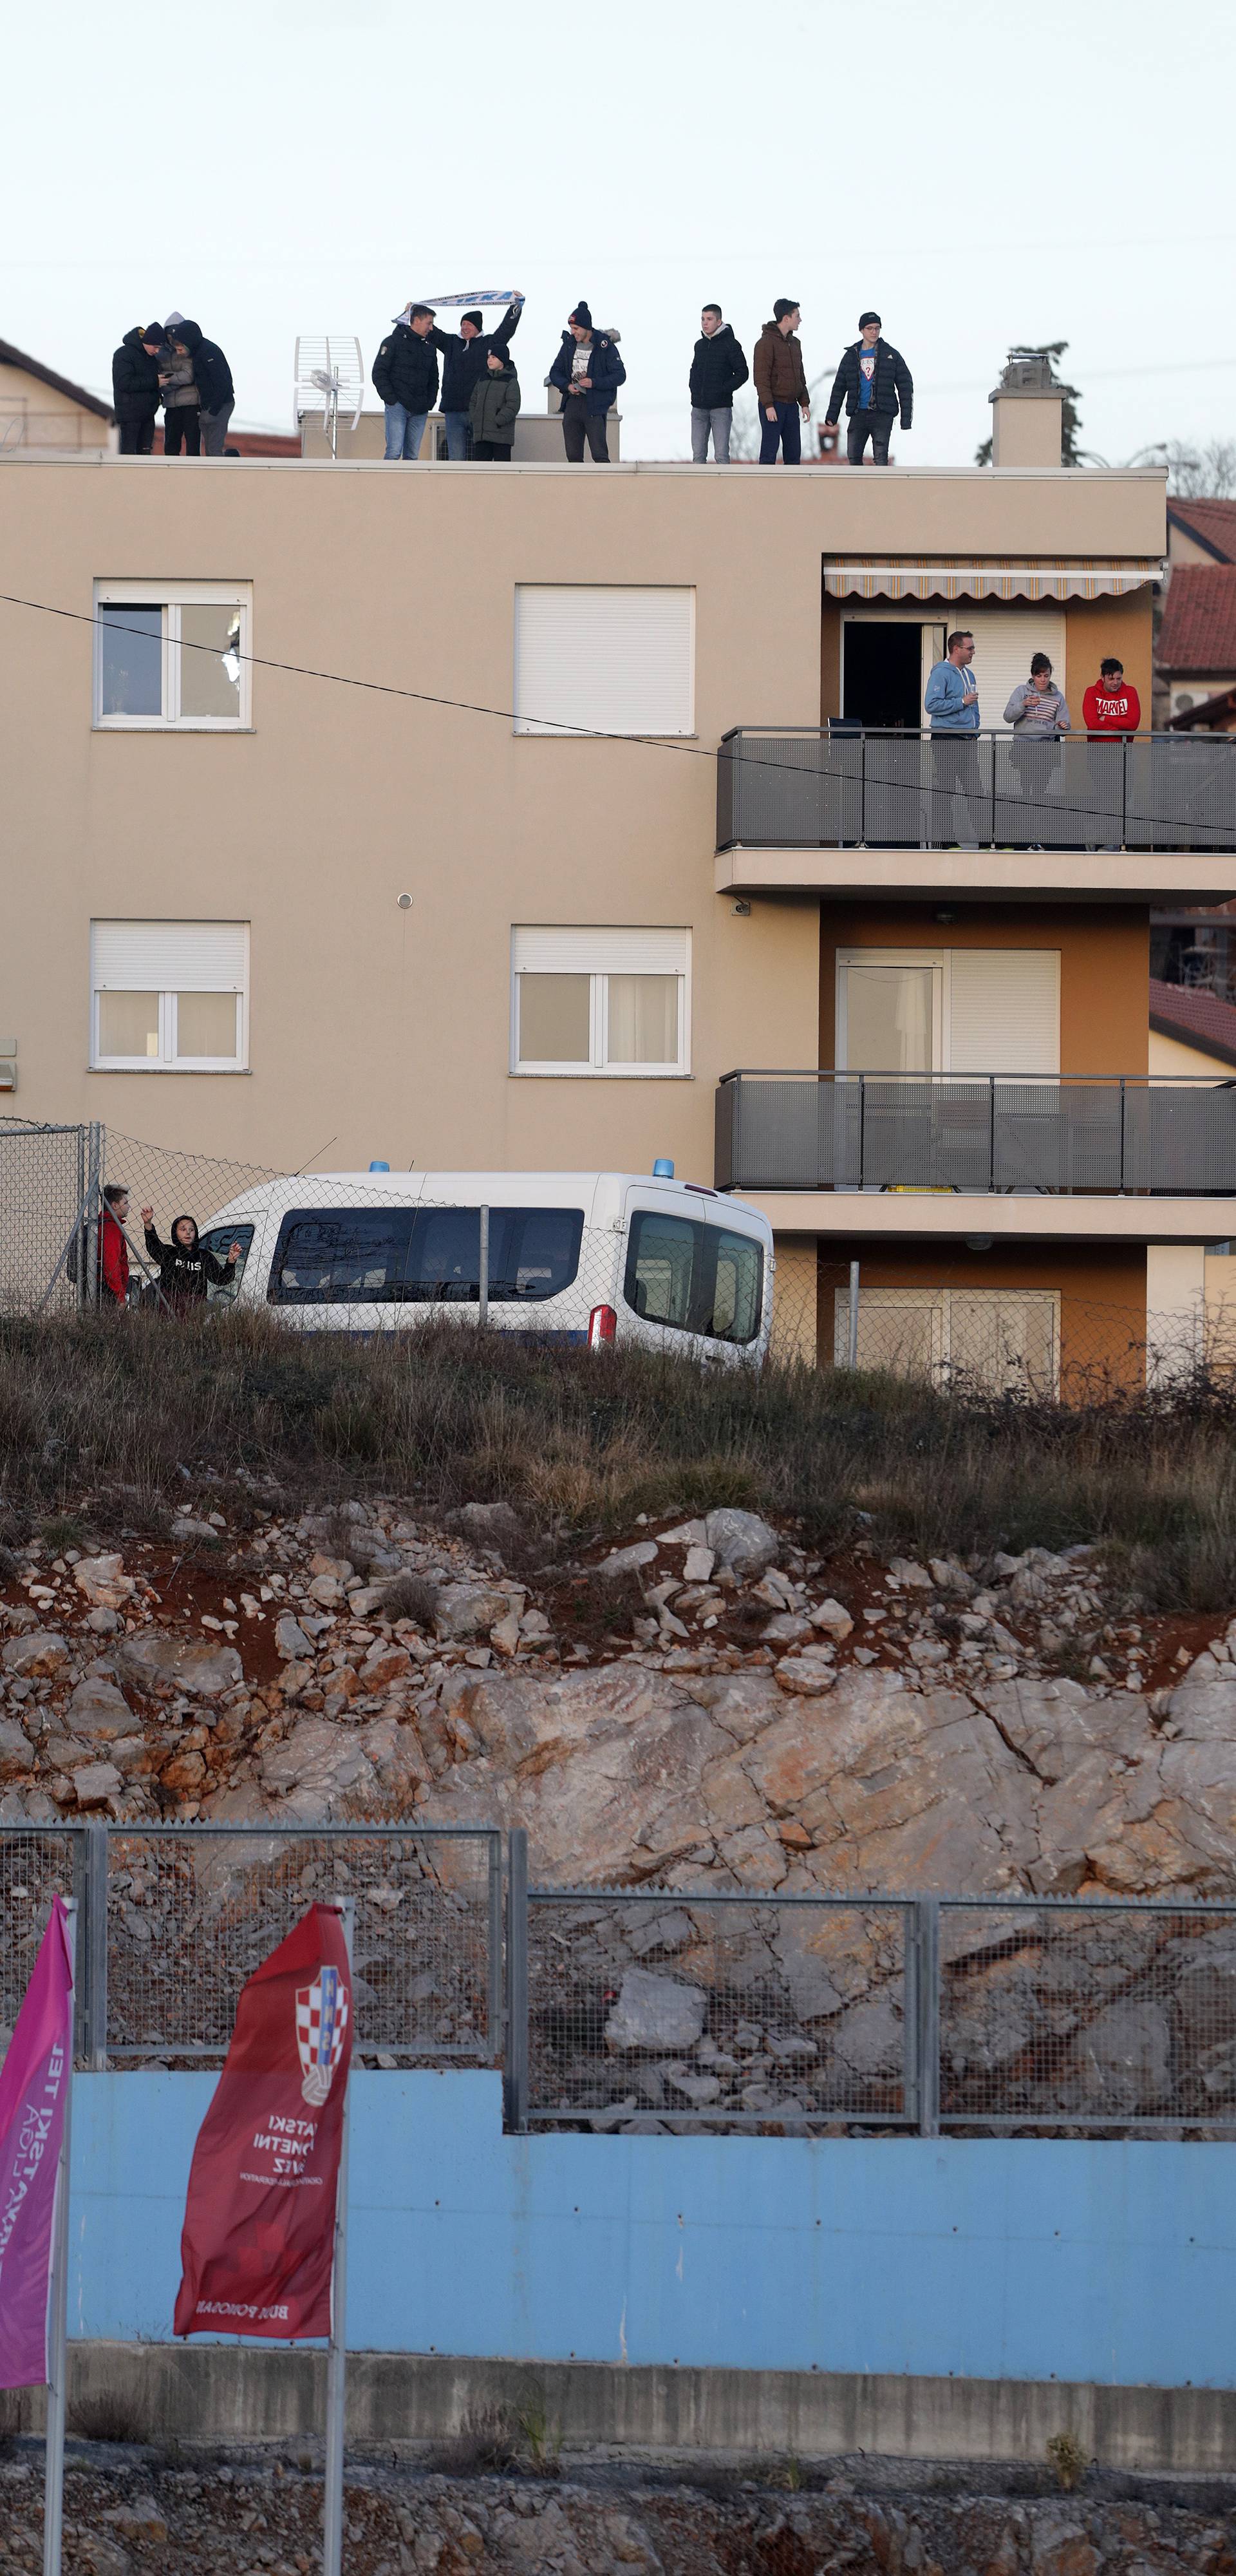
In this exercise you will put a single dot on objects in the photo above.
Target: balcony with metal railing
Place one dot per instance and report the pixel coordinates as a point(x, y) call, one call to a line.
point(925, 1144)
point(845, 808)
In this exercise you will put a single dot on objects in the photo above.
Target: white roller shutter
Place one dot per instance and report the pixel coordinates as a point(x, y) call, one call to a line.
point(1004, 639)
point(611, 661)
point(599, 952)
point(1004, 1010)
point(169, 956)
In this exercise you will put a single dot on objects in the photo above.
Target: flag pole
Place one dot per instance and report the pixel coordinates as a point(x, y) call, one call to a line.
point(337, 2351)
point(58, 2302)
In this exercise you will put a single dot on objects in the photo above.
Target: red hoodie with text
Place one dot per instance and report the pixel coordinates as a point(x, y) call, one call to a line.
point(1111, 707)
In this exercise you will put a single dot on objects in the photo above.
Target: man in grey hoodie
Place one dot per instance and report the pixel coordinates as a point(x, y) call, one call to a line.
point(1039, 713)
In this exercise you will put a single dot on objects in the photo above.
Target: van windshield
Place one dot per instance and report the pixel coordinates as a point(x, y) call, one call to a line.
point(694, 1278)
point(423, 1256)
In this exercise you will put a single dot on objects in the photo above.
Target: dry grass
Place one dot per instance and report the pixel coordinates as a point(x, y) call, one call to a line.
point(101, 1416)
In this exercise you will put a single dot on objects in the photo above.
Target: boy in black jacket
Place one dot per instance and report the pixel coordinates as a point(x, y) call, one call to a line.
point(872, 380)
point(135, 387)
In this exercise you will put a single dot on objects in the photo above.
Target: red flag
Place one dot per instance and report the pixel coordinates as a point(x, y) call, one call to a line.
point(258, 2238)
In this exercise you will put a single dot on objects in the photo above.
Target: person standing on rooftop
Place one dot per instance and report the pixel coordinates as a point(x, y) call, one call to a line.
point(718, 368)
point(874, 382)
point(465, 364)
point(587, 372)
point(781, 384)
point(405, 374)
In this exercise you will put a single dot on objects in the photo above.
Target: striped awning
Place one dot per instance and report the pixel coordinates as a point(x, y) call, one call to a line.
point(1000, 577)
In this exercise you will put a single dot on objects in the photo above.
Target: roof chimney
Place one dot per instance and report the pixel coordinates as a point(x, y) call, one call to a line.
point(1027, 412)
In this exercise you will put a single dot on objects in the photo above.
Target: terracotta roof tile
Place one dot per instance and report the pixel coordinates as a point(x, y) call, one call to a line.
point(1213, 523)
point(1199, 621)
point(1196, 1019)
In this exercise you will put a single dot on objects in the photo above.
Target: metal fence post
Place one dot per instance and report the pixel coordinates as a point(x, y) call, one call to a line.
point(89, 1267)
point(482, 1314)
point(494, 1981)
point(927, 2014)
point(92, 1954)
point(517, 1980)
point(852, 1331)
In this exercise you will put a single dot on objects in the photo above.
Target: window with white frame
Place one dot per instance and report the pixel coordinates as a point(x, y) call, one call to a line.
point(948, 1010)
point(610, 660)
point(600, 1001)
point(169, 996)
point(172, 656)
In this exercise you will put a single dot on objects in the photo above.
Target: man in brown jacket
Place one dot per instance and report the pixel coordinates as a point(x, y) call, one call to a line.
point(780, 384)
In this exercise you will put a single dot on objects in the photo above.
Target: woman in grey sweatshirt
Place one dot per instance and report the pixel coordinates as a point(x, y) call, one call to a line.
point(1039, 713)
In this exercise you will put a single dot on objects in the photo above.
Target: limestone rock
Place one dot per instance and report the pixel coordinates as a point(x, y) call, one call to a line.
point(161, 1662)
point(95, 1782)
point(291, 1640)
point(16, 1750)
point(493, 1525)
point(656, 2013)
point(36, 1654)
point(741, 1541)
point(98, 1712)
point(628, 1560)
point(104, 1582)
point(833, 1619)
point(468, 1610)
point(318, 1764)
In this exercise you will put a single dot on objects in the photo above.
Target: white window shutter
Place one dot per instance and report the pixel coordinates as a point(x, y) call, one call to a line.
point(607, 661)
point(169, 956)
point(1004, 640)
point(554, 951)
point(1004, 1010)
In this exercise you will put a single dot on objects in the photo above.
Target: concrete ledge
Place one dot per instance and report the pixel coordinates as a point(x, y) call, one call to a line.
point(237, 2393)
point(989, 876)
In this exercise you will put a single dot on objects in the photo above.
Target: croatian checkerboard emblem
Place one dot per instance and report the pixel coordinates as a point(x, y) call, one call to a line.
point(321, 2020)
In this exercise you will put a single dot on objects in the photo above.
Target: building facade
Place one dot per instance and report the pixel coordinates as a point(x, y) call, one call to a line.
point(552, 818)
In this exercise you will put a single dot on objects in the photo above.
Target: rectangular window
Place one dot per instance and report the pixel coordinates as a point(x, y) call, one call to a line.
point(169, 996)
point(172, 656)
point(1000, 1340)
point(423, 1256)
point(694, 1278)
point(600, 1001)
point(604, 661)
point(951, 1010)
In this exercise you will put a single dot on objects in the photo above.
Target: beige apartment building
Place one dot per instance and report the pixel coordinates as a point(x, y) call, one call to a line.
point(547, 817)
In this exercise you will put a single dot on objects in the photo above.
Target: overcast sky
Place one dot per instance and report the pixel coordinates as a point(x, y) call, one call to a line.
point(981, 175)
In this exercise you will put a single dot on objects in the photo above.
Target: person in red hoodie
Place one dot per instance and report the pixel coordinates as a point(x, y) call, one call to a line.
point(113, 1272)
point(1110, 708)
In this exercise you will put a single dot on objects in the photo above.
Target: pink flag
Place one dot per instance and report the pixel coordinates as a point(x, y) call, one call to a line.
point(34, 2084)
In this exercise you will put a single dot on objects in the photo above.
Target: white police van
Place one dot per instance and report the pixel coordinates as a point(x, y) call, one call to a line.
point(590, 1257)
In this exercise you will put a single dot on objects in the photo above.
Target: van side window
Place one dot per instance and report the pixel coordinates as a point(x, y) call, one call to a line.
point(533, 1252)
point(444, 1265)
point(694, 1278)
point(341, 1257)
point(219, 1241)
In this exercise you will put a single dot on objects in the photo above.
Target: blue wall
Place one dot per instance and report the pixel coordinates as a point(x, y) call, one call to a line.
point(994, 2258)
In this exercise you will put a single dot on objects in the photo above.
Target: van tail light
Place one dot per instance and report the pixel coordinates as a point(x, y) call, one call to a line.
point(602, 1326)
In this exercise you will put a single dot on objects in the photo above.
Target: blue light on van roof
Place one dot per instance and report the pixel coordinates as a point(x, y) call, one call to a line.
point(663, 1169)
point(379, 1167)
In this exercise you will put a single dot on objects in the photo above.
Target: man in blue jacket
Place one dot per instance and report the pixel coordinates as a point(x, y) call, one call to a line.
point(587, 372)
point(952, 703)
point(465, 362)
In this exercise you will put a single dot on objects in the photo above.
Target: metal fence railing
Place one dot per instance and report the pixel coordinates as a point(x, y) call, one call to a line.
point(710, 2009)
point(50, 1178)
point(174, 1918)
point(845, 787)
point(1165, 1136)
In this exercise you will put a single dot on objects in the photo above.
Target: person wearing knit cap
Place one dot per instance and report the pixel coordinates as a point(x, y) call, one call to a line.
point(873, 381)
point(587, 372)
point(465, 364)
point(135, 387)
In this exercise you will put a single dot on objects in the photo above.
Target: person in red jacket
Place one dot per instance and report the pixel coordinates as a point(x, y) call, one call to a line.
point(1110, 708)
point(113, 1278)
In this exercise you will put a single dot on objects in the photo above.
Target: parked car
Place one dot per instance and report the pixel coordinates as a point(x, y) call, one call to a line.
point(592, 1257)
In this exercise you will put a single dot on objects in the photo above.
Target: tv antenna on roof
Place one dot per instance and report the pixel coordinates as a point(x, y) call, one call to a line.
point(330, 376)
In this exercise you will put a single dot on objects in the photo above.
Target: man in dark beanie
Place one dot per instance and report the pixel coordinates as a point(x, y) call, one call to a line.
point(872, 380)
point(135, 387)
point(465, 364)
point(587, 372)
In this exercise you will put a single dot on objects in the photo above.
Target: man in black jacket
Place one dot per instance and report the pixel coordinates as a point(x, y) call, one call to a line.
point(405, 374)
point(872, 379)
point(135, 387)
point(212, 375)
point(465, 364)
point(718, 368)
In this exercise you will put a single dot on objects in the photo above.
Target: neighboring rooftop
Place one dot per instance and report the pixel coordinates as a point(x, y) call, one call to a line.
point(11, 357)
point(1199, 621)
point(1209, 715)
point(1211, 524)
point(1194, 1019)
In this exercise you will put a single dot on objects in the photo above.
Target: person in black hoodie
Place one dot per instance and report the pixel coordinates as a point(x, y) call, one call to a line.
point(135, 387)
point(186, 1270)
point(465, 365)
point(212, 375)
point(718, 368)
